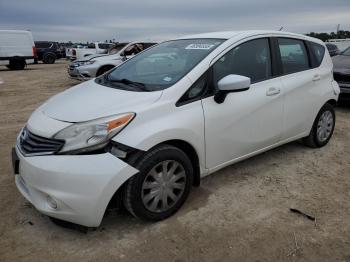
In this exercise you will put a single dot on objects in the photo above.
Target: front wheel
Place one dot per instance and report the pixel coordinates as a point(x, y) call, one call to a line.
point(322, 128)
point(162, 185)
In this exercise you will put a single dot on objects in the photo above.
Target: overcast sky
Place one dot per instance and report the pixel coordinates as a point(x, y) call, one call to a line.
point(93, 20)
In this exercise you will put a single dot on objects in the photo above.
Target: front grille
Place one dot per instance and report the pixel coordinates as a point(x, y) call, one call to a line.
point(33, 144)
point(342, 78)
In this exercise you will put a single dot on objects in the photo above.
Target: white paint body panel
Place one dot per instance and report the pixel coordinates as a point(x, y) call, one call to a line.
point(247, 123)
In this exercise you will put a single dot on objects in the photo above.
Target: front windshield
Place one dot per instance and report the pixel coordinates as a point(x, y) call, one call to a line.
point(346, 52)
point(116, 48)
point(161, 66)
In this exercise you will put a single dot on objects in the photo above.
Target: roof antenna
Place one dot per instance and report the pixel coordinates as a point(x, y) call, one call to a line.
point(281, 28)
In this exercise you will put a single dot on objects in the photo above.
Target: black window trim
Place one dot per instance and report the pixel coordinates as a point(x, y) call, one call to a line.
point(276, 66)
point(208, 75)
point(275, 62)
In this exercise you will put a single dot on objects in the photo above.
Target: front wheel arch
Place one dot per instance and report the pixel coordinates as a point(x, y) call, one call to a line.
point(104, 69)
point(117, 199)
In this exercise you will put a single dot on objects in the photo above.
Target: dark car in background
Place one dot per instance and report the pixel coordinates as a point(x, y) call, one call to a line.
point(341, 71)
point(49, 51)
point(332, 49)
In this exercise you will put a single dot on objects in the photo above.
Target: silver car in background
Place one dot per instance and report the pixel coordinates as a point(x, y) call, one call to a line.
point(96, 65)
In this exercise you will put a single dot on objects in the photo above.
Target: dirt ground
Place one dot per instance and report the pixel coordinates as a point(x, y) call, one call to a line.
point(240, 213)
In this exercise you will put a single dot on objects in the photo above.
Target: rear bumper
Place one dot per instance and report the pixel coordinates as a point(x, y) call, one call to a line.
point(80, 185)
point(344, 91)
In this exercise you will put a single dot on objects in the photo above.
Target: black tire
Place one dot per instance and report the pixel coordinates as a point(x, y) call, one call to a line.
point(49, 58)
point(133, 188)
point(103, 70)
point(17, 64)
point(313, 140)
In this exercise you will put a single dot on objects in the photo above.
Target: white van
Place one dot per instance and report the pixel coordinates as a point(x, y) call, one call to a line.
point(17, 49)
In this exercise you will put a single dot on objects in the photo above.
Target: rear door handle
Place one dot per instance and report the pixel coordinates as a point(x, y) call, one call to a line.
point(273, 91)
point(316, 77)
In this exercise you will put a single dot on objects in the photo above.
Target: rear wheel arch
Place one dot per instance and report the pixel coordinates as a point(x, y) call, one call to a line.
point(312, 140)
point(332, 102)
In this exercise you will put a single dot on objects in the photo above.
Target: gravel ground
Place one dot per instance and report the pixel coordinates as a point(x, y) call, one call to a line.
point(240, 213)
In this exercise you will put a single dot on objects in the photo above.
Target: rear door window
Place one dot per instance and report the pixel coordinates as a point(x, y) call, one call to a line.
point(294, 56)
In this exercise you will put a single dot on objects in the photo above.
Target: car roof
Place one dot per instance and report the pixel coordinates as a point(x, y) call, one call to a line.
point(247, 33)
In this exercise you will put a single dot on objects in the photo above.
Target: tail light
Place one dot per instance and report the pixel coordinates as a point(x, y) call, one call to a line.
point(34, 52)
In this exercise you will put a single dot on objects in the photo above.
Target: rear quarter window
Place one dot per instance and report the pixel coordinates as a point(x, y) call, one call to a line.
point(318, 53)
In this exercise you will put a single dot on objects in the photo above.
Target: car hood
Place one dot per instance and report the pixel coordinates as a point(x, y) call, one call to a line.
point(109, 57)
point(89, 100)
point(341, 64)
point(90, 57)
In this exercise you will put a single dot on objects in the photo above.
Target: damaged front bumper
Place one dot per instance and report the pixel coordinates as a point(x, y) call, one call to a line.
point(74, 188)
point(81, 72)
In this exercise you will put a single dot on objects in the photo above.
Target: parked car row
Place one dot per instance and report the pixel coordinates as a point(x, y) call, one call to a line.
point(78, 53)
point(149, 129)
point(96, 65)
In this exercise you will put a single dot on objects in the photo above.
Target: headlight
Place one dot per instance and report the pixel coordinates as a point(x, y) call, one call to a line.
point(81, 63)
point(94, 134)
point(90, 62)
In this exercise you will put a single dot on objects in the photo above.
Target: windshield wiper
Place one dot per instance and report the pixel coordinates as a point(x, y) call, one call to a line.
point(127, 82)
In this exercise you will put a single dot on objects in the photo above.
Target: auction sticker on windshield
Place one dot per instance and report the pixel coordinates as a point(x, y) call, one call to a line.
point(200, 46)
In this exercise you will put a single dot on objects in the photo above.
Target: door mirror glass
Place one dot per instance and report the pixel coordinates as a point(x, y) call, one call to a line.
point(234, 83)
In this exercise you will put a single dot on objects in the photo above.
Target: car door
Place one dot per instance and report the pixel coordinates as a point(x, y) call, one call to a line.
point(299, 84)
point(246, 121)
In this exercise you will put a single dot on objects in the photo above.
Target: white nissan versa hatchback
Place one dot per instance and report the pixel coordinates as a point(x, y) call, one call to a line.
point(148, 130)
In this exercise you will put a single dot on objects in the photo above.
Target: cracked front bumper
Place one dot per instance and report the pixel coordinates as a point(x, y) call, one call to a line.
point(80, 185)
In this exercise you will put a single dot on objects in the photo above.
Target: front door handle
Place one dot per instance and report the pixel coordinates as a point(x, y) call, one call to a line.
point(316, 77)
point(273, 91)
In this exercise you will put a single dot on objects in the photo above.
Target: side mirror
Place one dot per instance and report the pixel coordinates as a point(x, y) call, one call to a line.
point(230, 84)
point(123, 55)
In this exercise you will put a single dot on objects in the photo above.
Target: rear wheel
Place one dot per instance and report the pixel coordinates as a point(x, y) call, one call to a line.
point(162, 185)
point(322, 128)
point(49, 59)
point(16, 64)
